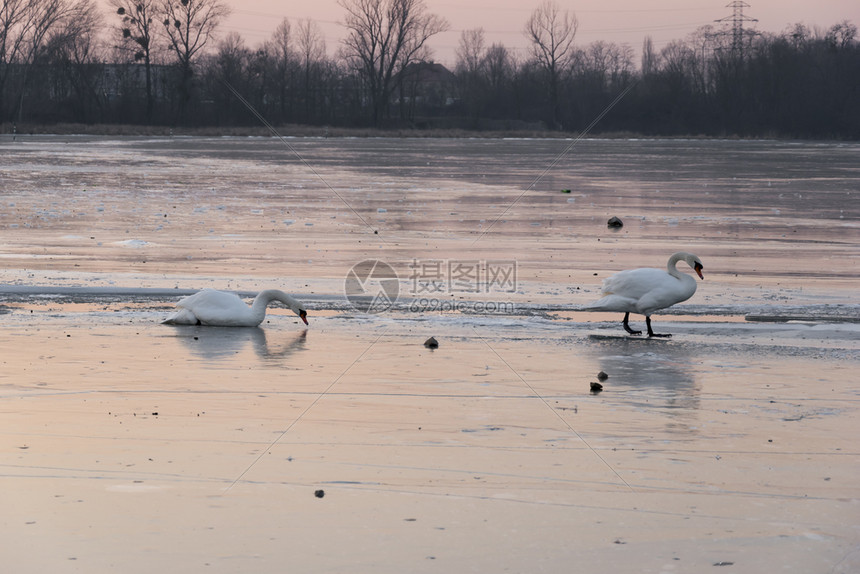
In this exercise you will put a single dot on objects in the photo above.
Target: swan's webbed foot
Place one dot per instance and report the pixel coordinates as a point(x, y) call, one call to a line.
point(651, 333)
point(627, 326)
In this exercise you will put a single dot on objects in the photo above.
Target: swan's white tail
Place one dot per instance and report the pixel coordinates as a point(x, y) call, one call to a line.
point(181, 317)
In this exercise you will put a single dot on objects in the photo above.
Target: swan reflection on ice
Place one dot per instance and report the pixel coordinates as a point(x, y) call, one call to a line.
point(661, 379)
point(215, 344)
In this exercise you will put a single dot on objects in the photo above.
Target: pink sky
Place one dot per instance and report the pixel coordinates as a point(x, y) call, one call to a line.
point(611, 20)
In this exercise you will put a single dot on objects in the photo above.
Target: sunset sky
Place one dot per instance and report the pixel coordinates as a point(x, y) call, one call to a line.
point(611, 20)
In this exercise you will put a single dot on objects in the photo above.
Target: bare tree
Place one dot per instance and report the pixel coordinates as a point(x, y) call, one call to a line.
point(798, 35)
point(841, 35)
point(311, 50)
point(498, 73)
point(77, 36)
point(678, 61)
point(25, 27)
point(230, 65)
point(606, 63)
point(13, 23)
point(551, 33)
point(231, 59)
point(139, 30)
point(383, 38)
point(649, 57)
point(470, 51)
point(13, 27)
point(280, 50)
point(75, 51)
point(189, 25)
point(470, 61)
point(500, 66)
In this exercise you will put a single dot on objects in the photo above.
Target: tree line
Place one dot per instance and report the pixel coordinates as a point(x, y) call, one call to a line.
point(161, 62)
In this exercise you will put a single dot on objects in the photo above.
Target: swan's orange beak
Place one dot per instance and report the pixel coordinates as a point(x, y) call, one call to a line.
point(304, 315)
point(698, 269)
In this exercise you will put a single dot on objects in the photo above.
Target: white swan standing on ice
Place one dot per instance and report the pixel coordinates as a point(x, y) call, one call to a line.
point(225, 309)
point(645, 290)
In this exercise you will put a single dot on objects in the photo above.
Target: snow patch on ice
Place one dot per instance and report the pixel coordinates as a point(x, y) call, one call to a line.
point(133, 243)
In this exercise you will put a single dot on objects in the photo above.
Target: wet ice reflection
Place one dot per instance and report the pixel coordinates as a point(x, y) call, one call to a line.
point(221, 343)
point(653, 375)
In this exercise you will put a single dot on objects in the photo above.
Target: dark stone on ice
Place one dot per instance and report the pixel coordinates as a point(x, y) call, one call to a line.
point(596, 387)
point(431, 343)
point(601, 376)
point(614, 222)
point(319, 493)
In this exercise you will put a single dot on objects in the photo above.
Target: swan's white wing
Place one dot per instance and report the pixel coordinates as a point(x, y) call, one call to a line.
point(667, 294)
point(210, 298)
point(642, 291)
point(613, 303)
point(635, 283)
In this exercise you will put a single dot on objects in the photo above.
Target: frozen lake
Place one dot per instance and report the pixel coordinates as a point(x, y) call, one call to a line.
point(774, 222)
point(132, 445)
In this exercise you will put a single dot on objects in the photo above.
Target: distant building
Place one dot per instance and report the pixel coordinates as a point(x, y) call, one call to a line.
point(129, 81)
point(425, 87)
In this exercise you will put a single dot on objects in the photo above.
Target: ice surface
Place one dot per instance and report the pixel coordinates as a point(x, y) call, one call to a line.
point(133, 446)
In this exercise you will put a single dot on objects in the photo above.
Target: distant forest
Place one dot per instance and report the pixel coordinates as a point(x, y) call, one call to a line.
point(164, 63)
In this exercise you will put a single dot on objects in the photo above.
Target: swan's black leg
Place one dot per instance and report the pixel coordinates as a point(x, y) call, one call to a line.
point(627, 326)
point(652, 333)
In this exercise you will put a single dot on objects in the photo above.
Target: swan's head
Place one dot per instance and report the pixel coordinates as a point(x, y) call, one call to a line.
point(696, 264)
point(278, 295)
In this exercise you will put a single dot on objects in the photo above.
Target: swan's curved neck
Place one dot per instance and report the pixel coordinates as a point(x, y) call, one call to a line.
point(673, 260)
point(263, 298)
